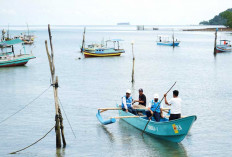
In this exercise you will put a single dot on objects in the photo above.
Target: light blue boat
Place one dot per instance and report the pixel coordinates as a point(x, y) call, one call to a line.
point(164, 40)
point(174, 131)
point(224, 46)
point(169, 43)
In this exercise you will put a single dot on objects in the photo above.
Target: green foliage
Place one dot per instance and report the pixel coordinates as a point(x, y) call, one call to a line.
point(228, 16)
point(204, 23)
point(224, 18)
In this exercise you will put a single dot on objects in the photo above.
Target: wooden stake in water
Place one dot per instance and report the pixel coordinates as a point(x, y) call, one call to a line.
point(133, 67)
point(58, 117)
point(173, 42)
point(215, 41)
point(83, 41)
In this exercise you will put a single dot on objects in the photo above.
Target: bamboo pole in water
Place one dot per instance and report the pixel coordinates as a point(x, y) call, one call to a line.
point(173, 43)
point(58, 117)
point(83, 41)
point(133, 66)
point(215, 41)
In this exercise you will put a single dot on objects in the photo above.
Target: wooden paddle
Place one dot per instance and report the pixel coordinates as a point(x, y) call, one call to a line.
point(157, 107)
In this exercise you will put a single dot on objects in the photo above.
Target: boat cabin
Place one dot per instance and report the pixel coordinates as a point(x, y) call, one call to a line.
point(114, 41)
point(10, 44)
point(225, 42)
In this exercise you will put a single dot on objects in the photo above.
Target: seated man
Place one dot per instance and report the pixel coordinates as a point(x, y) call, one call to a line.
point(155, 108)
point(142, 98)
point(127, 102)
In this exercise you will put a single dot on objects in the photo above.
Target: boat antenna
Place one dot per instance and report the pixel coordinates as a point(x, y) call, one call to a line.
point(27, 29)
point(8, 34)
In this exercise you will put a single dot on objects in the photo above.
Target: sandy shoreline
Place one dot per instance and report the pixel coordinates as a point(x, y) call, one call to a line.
point(210, 29)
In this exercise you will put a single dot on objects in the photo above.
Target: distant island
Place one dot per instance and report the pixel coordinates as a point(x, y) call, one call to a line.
point(223, 18)
point(123, 23)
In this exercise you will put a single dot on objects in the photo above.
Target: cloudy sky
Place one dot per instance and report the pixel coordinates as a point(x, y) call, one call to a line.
point(109, 12)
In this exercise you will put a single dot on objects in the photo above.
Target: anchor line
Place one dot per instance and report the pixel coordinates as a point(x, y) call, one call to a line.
point(25, 106)
point(34, 142)
point(67, 118)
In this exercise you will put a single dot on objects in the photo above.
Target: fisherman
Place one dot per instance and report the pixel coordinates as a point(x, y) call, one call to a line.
point(175, 104)
point(142, 98)
point(127, 102)
point(155, 108)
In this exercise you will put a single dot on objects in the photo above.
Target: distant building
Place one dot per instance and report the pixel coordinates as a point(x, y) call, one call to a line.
point(140, 27)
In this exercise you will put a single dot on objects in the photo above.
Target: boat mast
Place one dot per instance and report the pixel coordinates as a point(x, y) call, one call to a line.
point(8, 33)
point(83, 41)
point(27, 30)
point(173, 43)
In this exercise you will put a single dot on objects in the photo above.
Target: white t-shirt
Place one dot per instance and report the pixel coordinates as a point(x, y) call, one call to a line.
point(175, 105)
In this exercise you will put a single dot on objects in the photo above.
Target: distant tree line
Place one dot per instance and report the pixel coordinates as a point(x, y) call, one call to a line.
point(224, 18)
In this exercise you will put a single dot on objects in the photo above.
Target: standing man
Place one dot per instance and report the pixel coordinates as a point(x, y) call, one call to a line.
point(127, 102)
point(142, 98)
point(175, 104)
point(155, 108)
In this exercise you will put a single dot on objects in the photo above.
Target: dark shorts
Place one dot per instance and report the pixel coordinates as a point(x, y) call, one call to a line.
point(174, 116)
point(131, 110)
point(156, 115)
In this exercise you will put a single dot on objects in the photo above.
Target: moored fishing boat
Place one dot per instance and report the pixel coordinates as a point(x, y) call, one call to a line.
point(10, 59)
point(100, 50)
point(224, 46)
point(27, 38)
point(174, 131)
point(164, 40)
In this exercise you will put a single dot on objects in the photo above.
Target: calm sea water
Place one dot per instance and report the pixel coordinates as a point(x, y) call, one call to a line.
point(204, 82)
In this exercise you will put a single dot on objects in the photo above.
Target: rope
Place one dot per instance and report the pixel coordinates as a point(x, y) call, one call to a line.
point(67, 118)
point(24, 106)
point(34, 142)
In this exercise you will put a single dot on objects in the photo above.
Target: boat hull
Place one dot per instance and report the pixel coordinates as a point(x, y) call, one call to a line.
point(89, 54)
point(20, 61)
point(221, 49)
point(168, 43)
point(174, 131)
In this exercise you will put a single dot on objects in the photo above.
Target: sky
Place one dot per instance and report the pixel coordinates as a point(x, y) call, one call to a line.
point(109, 12)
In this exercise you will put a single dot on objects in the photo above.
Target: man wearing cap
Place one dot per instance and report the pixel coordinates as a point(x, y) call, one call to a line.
point(142, 98)
point(127, 102)
point(155, 108)
point(175, 104)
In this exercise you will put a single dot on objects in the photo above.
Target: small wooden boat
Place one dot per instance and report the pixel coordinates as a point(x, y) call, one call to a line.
point(10, 59)
point(174, 131)
point(224, 46)
point(164, 40)
point(101, 50)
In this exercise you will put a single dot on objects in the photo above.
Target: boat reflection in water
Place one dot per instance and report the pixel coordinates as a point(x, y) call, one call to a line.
point(145, 145)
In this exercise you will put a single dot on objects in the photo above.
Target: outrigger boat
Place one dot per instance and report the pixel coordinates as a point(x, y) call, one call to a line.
point(174, 131)
point(100, 50)
point(164, 40)
point(224, 46)
point(10, 59)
